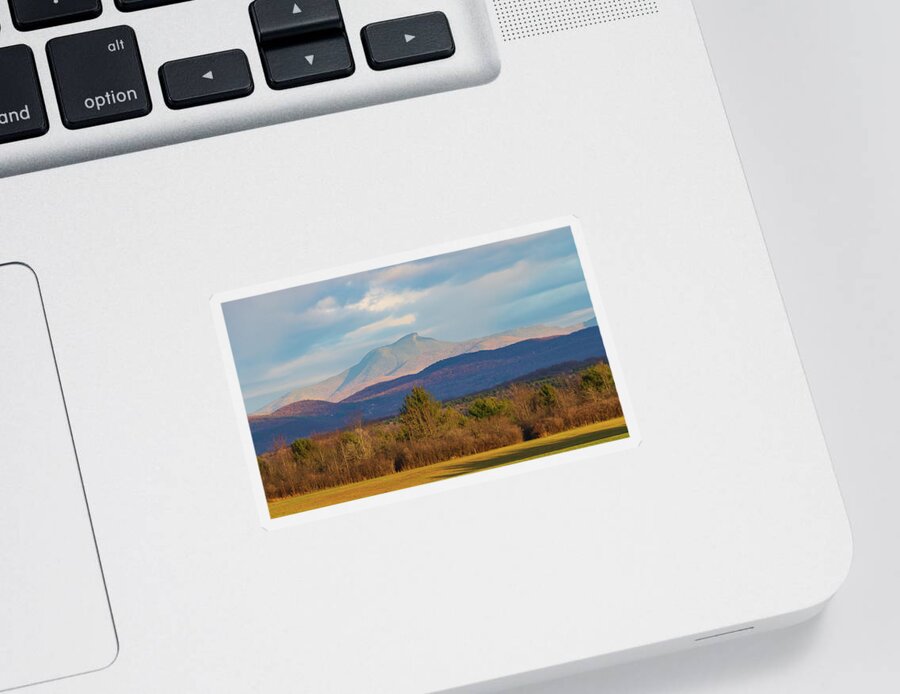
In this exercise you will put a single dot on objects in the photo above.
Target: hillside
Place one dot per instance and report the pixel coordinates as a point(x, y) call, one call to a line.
point(447, 379)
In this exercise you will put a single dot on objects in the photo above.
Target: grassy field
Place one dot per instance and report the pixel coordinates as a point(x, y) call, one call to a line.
point(536, 448)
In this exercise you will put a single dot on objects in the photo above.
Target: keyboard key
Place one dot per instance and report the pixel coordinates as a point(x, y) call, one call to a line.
point(407, 41)
point(131, 5)
point(99, 77)
point(37, 14)
point(22, 111)
point(284, 19)
point(206, 79)
point(296, 64)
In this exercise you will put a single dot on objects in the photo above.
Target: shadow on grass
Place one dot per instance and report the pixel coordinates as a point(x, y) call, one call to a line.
point(533, 451)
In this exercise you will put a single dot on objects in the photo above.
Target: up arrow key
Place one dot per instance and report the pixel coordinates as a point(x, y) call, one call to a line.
point(408, 37)
point(287, 21)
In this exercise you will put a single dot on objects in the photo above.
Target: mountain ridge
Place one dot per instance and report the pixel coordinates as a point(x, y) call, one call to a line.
point(407, 355)
point(448, 379)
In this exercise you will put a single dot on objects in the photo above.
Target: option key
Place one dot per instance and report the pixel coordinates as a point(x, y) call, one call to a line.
point(99, 77)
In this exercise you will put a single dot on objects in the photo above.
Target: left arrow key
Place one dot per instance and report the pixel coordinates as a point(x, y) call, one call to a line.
point(206, 79)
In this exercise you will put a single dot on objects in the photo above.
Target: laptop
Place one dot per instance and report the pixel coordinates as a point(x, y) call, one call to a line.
point(386, 347)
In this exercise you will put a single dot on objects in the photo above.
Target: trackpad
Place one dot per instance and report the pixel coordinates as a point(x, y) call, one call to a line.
point(55, 619)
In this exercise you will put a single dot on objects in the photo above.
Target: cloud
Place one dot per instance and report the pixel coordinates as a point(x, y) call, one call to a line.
point(327, 304)
point(381, 326)
point(379, 300)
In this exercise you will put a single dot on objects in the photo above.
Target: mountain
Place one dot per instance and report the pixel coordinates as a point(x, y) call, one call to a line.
point(408, 355)
point(477, 371)
point(450, 378)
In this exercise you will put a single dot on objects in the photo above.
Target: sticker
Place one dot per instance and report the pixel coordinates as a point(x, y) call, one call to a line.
point(422, 372)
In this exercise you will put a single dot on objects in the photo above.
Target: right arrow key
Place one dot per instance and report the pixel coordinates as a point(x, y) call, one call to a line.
point(408, 40)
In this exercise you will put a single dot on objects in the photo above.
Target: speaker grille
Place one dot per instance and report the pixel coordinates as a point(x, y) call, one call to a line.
point(521, 19)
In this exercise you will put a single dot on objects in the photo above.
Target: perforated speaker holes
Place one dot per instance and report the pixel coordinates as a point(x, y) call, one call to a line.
point(521, 19)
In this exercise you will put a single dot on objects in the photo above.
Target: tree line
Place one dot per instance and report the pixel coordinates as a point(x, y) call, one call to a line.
point(427, 431)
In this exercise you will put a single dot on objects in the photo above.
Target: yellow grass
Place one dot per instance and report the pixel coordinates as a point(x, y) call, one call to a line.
point(536, 448)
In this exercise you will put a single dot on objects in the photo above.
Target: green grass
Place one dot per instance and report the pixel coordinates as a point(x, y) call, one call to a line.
point(564, 441)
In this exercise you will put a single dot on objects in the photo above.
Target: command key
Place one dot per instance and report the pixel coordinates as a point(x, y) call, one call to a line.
point(22, 111)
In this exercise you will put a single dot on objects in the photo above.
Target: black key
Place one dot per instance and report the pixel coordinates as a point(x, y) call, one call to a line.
point(296, 64)
point(37, 14)
point(283, 19)
point(206, 79)
point(131, 5)
point(408, 40)
point(22, 111)
point(99, 77)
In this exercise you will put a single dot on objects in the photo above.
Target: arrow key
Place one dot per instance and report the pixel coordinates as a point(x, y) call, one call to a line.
point(296, 64)
point(274, 20)
point(205, 79)
point(408, 40)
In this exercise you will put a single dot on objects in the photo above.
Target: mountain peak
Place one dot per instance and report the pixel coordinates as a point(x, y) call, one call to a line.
point(411, 337)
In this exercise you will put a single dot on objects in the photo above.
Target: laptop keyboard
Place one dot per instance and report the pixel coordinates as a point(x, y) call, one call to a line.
point(99, 77)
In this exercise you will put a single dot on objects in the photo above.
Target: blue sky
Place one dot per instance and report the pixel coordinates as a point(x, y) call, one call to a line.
point(294, 337)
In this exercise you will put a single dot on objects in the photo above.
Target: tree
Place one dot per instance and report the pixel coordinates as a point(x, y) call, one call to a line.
point(481, 408)
point(546, 396)
point(597, 379)
point(301, 449)
point(355, 446)
point(421, 415)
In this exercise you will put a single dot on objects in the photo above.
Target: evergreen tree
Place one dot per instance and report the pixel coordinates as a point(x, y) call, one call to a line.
point(421, 415)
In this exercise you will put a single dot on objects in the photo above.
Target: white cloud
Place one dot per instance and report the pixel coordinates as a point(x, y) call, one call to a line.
point(327, 305)
point(379, 300)
point(381, 325)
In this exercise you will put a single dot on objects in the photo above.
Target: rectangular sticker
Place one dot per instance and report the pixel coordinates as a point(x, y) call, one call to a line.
point(421, 372)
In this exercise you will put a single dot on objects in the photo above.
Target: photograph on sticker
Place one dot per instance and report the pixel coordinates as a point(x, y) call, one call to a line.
point(422, 371)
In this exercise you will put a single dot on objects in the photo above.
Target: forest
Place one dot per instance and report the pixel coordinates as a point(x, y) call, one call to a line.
point(428, 431)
